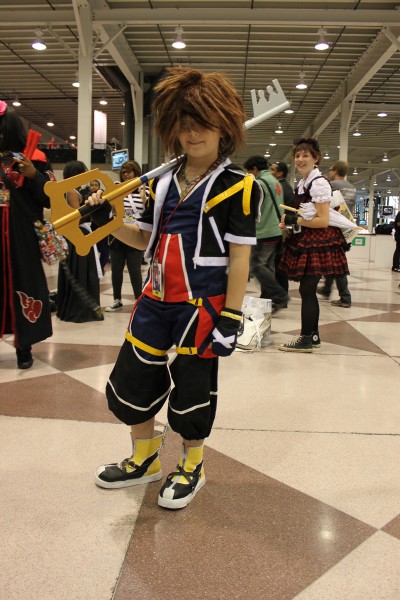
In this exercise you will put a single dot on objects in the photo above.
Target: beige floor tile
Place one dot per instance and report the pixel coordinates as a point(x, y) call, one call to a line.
point(370, 572)
point(358, 474)
point(95, 377)
point(110, 331)
point(62, 537)
point(384, 335)
point(283, 391)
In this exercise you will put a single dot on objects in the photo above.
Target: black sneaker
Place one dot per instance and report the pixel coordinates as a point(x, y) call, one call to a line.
point(341, 303)
point(278, 306)
point(322, 292)
point(316, 341)
point(302, 343)
point(24, 357)
point(116, 305)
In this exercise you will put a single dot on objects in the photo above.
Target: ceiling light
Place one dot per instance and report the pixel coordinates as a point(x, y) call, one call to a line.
point(326, 155)
point(382, 113)
point(75, 83)
point(103, 101)
point(322, 44)
point(122, 123)
point(72, 137)
point(178, 42)
point(289, 111)
point(385, 157)
point(375, 183)
point(355, 172)
point(302, 84)
point(388, 178)
point(38, 43)
point(16, 102)
point(279, 129)
point(50, 123)
point(356, 133)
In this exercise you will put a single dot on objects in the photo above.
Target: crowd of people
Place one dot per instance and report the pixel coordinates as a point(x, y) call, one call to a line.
point(201, 227)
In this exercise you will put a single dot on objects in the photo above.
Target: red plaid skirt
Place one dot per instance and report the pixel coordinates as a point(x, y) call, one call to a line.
point(314, 252)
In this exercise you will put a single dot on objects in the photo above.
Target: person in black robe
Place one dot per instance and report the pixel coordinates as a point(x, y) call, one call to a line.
point(24, 296)
point(76, 305)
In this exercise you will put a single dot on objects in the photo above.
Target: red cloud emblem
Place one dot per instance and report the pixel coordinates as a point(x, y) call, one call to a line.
point(31, 308)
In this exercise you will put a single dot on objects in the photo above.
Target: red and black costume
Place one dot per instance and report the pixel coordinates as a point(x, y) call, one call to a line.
point(24, 296)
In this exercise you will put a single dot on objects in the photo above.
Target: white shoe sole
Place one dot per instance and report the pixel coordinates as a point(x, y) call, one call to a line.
point(114, 485)
point(303, 350)
point(181, 502)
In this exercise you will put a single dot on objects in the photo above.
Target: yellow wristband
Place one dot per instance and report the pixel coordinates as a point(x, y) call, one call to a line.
point(225, 313)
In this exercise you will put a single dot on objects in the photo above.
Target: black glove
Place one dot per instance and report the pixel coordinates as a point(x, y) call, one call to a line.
point(224, 335)
point(100, 216)
point(291, 219)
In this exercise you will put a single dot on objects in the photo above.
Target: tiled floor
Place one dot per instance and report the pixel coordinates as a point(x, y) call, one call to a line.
point(303, 474)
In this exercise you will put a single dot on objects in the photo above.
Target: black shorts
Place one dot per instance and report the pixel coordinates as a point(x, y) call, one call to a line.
point(143, 377)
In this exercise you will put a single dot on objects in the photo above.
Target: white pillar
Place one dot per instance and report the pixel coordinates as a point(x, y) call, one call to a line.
point(344, 131)
point(85, 116)
point(371, 206)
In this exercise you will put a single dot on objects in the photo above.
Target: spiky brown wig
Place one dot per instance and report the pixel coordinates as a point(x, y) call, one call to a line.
point(208, 98)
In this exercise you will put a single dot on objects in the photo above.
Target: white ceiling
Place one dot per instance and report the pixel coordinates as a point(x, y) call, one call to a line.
point(253, 42)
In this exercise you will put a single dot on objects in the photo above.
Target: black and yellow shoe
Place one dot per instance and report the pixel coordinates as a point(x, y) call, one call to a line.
point(182, 485)
point(143, 467)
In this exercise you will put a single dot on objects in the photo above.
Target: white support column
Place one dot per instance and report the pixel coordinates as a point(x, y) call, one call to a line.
point(371, 204)
point(137, 99)
point(85, 116)
point(344, 131)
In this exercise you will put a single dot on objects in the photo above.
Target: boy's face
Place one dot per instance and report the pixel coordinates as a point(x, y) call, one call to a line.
point(199, 142)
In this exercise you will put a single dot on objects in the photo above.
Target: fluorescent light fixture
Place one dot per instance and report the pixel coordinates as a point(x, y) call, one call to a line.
point(302, 84)
point(322, 44)
point(178, 42)
point(38, 43)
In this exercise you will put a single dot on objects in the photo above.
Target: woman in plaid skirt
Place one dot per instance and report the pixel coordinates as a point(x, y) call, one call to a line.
point(312, 247)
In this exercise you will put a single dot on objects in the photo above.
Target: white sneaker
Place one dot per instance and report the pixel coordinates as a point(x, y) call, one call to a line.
point(116, 305)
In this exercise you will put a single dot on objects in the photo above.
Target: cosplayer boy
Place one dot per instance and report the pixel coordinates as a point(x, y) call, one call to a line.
point(197, 230)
